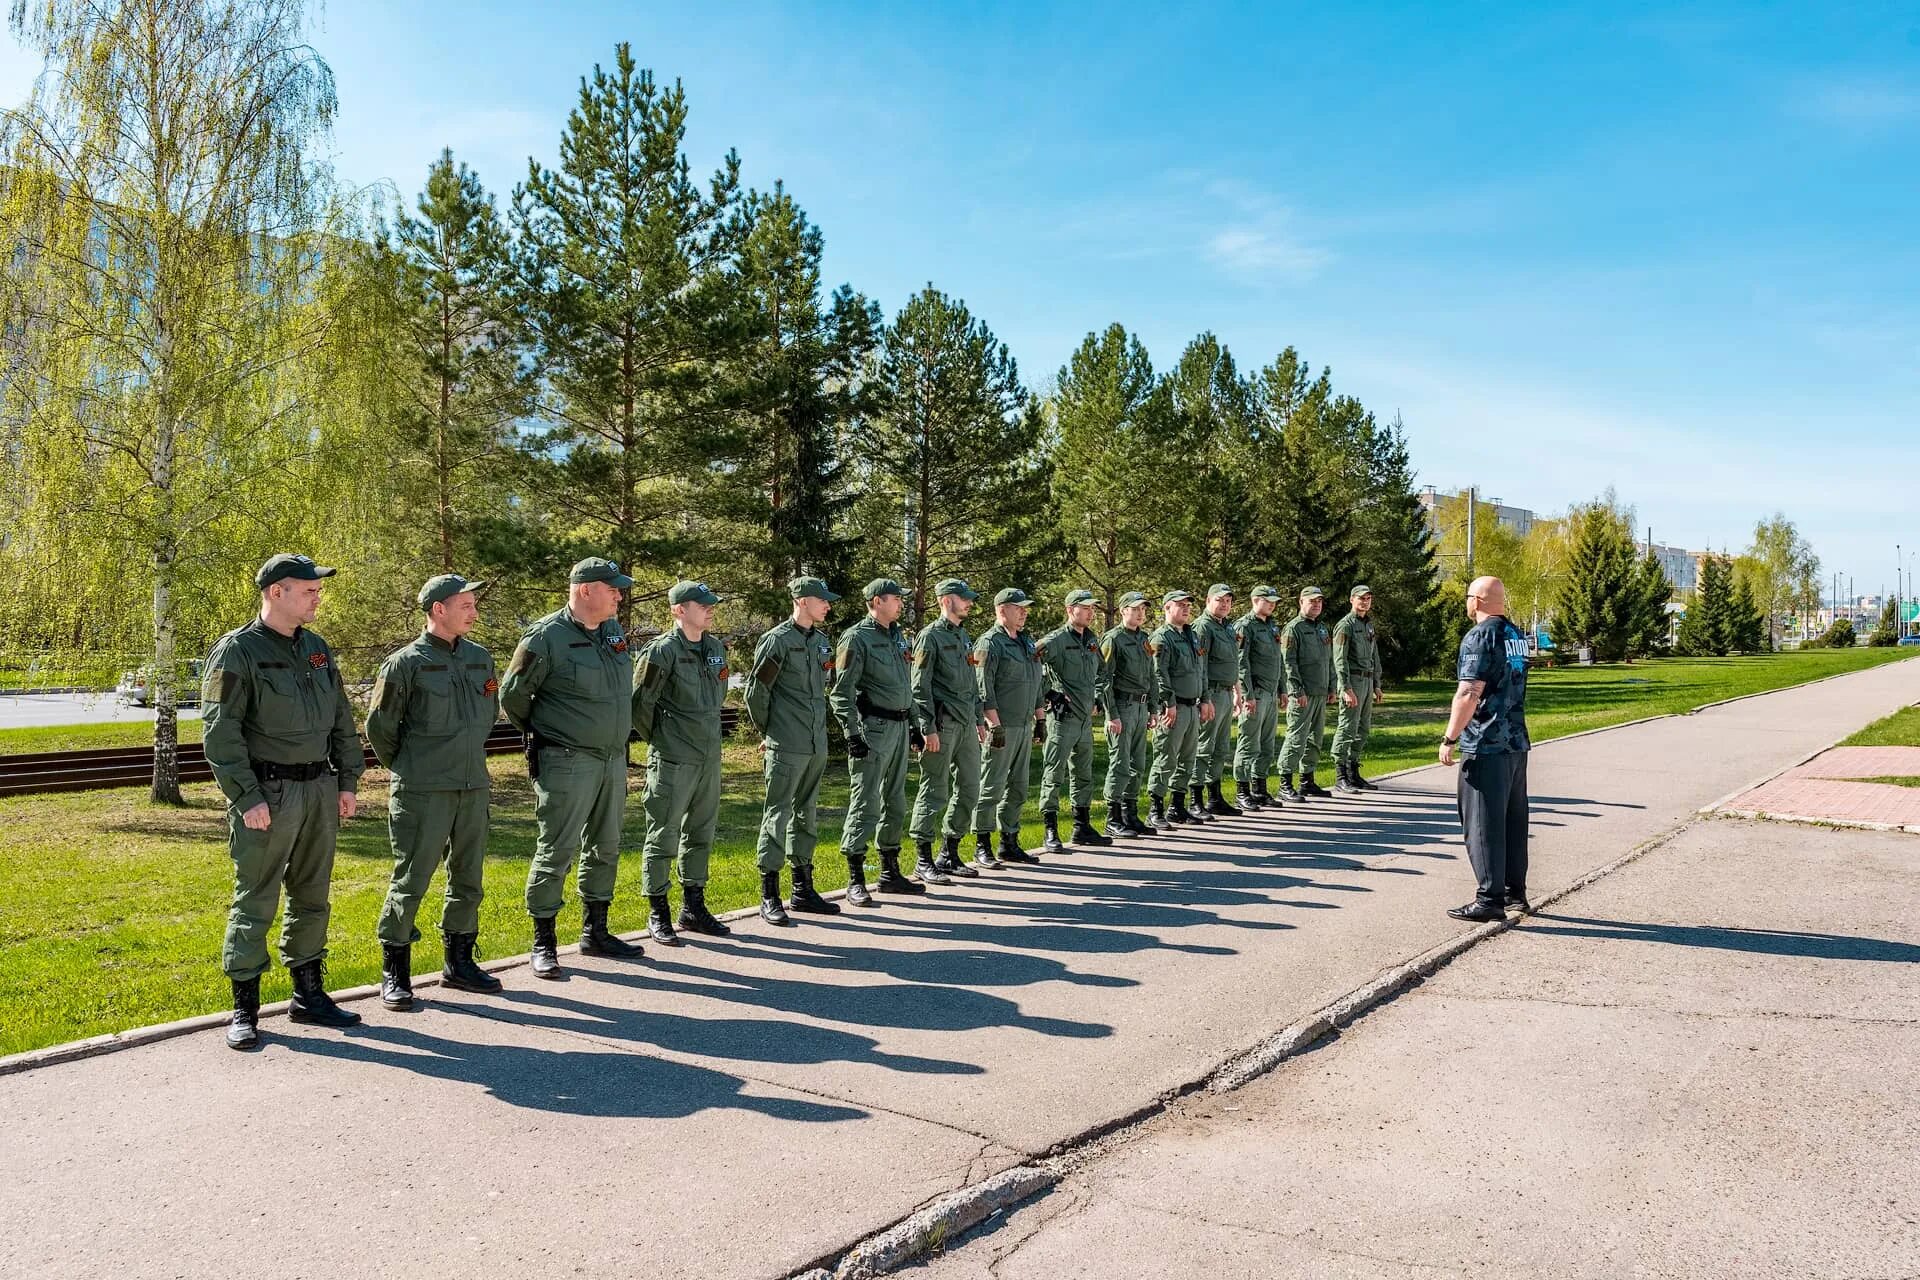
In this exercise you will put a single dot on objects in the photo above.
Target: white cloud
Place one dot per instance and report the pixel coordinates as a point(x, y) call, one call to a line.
point(1860, 102)
point(1262, 250)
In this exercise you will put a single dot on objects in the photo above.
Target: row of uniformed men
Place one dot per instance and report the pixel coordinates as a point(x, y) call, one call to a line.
point(281, 742)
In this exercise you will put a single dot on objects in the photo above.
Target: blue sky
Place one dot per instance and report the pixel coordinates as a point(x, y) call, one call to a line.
point(1669, 249)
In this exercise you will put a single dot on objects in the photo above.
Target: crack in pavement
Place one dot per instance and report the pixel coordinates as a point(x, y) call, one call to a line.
point(1308, 1237)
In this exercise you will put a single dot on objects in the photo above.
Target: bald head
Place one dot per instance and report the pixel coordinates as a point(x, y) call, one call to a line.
point(1486, 597)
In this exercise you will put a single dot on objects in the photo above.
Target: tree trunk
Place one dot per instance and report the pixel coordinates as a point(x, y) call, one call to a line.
point(166, 724)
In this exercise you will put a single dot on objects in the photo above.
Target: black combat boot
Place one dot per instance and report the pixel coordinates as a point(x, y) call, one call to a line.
point(806, 897)
point(1134, 824)
point(1245, 796)
point(1197, 806)
point(1287, 789)
point(1177, 814)
point(1268, 800)
point(1157, 814)
point(857, 895)
point(598, 940)
point(891, 880)
point(1219, 805)
point(1353, 776)
point(243, 1029)
point(460, 972)
point(694, 916)
point(660, 920)
point(546, 948)
point(925, 869)
point(949, 860)
point(1083, 832)
point(1117, 828)
point(772, 910)
point(311, 1003)
point(1010, 850)
point(396, 976)
point(1052, 843)
point(1343, 778)
point(983, 855)
point(1310, 786)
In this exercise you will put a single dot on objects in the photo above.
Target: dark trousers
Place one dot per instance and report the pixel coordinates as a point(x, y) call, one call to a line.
point(1493, 812)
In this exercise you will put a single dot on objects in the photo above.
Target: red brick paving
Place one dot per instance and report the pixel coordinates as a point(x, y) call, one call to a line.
point(1817, 789)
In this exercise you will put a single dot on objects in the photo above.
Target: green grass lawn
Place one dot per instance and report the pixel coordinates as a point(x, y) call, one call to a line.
point(1901, 729)
point(88, 737)
point(111, 909)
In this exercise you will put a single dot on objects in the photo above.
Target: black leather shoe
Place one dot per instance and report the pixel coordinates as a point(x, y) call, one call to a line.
point(1116, 827)
point(1310, 786)
point(694, 916)
point(806, 897)
point(1218, 804)
point(1517, 901)
point(1083, 832)
point(890, 879)
point(1177, 814)
point(243, 1029)
point(949, 860)
point(1353, 776)
point(660, 920)
point(1010, 850)
point(857, 895)
point(1197, 806)
point(1134, 824)
point(1343, 780)
point(1478, 911)
point(312, 1004)
point(983, 854)
point(1268, 800)
point(396, 976)
point(1157, 814)
point(598, 940)
point(1246, 797)
point(1052, 843)
point(925, 870)
point(546, 949)
point(772, 910)
point(1287, 789)
point(461, 972)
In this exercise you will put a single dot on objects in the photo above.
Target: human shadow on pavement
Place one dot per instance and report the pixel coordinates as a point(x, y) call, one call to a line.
point(794, 1043)
point(571, 1081)
point(908, 1005)
point(1770, 942)
point(833, 949)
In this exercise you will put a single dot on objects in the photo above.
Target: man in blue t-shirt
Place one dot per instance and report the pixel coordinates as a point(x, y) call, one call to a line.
point(1489, 727)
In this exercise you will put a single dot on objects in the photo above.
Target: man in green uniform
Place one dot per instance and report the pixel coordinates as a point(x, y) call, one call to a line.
point(1010, 680)
point(1220, 646)
point(1179, 675)
point(567, 690)
point(873, 700)
point(1356, 677)
point(1071, 658)
point(1306, 654)
point(281, 743)
point(946, 698)
point(1128, 691)
point(787, 703)
point(433, 706)
point(1259, 707)
point(678, 688)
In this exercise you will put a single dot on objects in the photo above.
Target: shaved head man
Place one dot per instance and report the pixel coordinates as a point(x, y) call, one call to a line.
point(1488, 725)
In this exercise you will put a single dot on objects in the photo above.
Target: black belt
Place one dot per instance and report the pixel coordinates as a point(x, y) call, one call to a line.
point(270, 771)
point(867, 708)
point(1141, 698)
point(1186, 702)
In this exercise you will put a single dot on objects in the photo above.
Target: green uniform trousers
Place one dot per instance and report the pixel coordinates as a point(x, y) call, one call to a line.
point(790, 825)
point(1173, 747)
point(1003, 782)
point(1306, 726)
point(296, 851)
point(579, 802)
point(428, 828)
point(1355, 723)
point(1127, 754)
point(682, 805)
point(1066, 763)
point(1253, 756)
point(1213, 750)
point(877, 801)
point(949, 784)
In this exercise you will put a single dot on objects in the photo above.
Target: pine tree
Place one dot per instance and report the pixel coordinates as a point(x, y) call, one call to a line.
point(1747, 627)
point(1888, 631)
point(1313, 533)
point(1710, 626)
point(1228, 460)
point(1396, 559)
point(1598, 602)
point(1650, 591)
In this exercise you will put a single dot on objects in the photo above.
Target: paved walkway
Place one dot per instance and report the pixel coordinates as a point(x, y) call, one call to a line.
point(746, 1107)
point(1828, 788)
point(1694, 1067)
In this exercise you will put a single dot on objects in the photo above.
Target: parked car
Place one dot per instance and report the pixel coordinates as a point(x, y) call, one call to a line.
point(1908, 640)
point(135, 690)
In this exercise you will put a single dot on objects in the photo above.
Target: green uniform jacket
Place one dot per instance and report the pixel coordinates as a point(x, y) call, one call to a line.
point(1354, 651)
point(1010, 676)
point(1259, 655)
point(1126, 670)
point(1179, 668)
point(1074, 667)
point(1307, 654)
point(433, 706)
point(873, 662)
point(569, 686)
point(943, 676)
point(279, 699)
point(678, 689)
point(787, 688)
point(1221, 645)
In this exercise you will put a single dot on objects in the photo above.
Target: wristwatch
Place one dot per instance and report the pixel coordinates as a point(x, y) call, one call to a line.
point(1449, 742)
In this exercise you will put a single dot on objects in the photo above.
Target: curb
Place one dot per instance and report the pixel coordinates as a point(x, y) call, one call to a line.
point(1798, 819)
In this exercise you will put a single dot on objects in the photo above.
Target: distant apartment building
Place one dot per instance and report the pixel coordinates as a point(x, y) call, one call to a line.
point(1681, 566)
point(1518, 519)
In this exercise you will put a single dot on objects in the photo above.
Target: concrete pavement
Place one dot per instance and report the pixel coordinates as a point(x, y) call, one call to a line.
point(1706, 1064)
point(750, 1106)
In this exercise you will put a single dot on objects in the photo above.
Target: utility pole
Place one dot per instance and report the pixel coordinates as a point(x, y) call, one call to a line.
point(1473, 501)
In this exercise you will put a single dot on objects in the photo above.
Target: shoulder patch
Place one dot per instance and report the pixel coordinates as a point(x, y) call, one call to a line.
point(522, 659)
